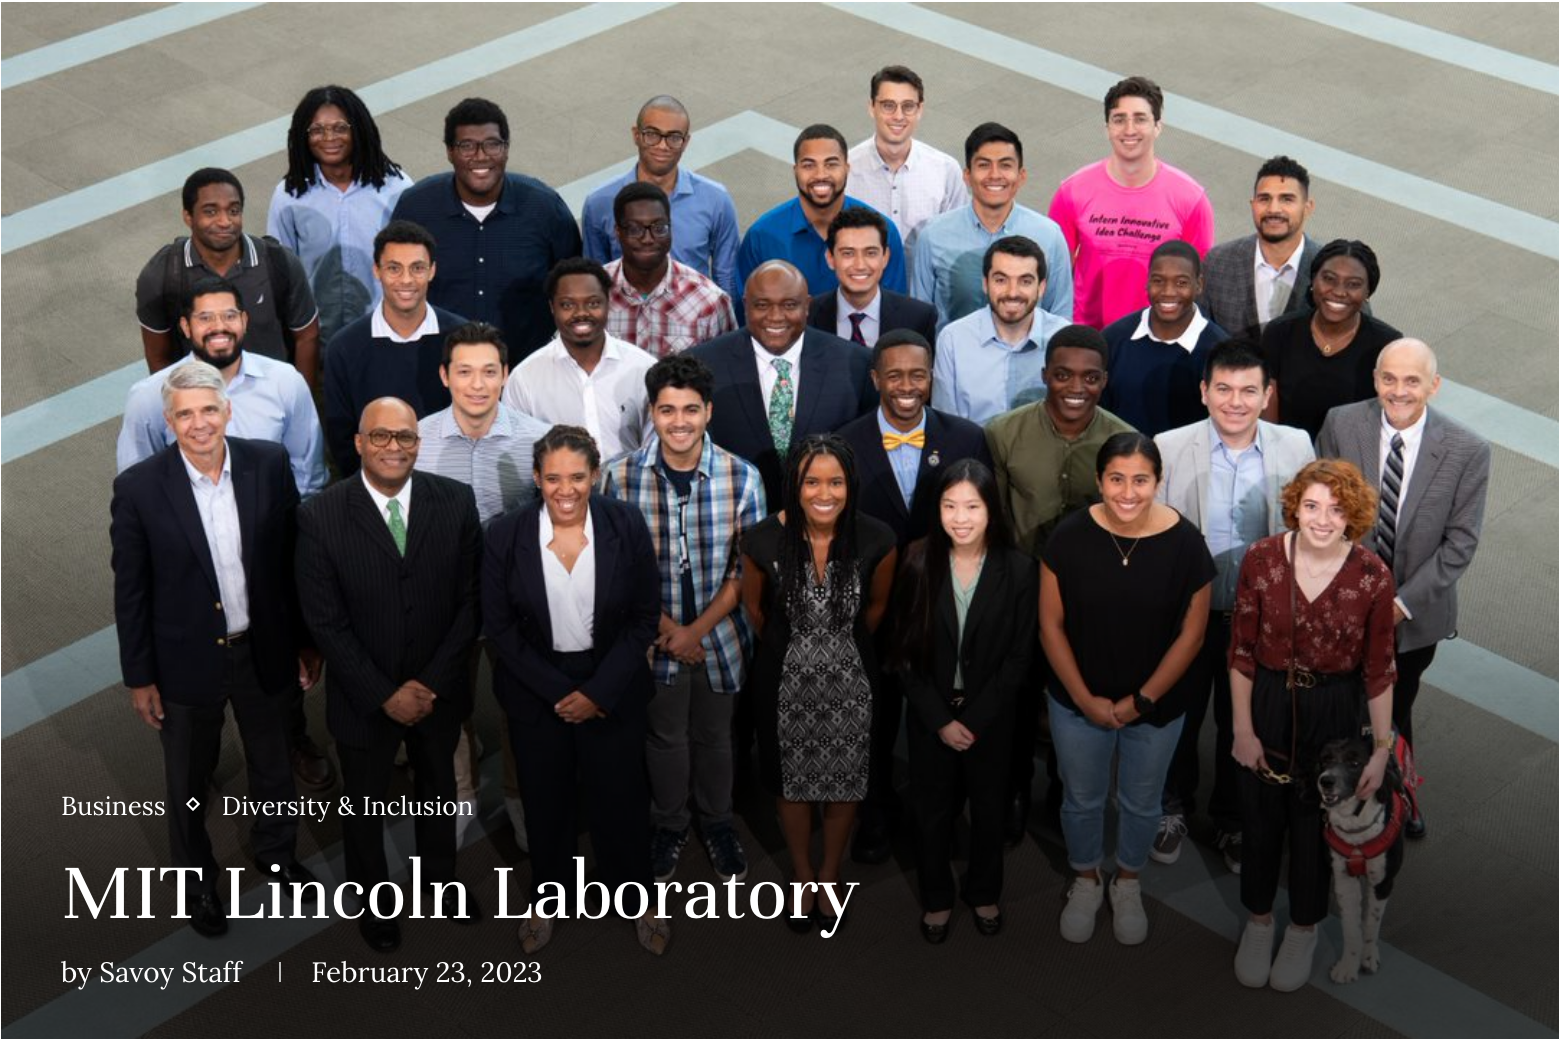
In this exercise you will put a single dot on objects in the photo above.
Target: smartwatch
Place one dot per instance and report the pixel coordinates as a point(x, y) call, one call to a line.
point(1143, 704)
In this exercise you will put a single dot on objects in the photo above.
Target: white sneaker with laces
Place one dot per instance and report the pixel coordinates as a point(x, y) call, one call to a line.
point(1253, 963)
point(1291, 969)
point(1131, 920)
point(1083, 900)
point(1166, 845)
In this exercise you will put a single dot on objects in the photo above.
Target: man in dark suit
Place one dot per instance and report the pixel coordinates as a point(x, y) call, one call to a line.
point(900, 448)
point(387, 575)
point(1433, 476)
point(777, 381)
point(860, 310)
point(204, 602)
point(1251, 280)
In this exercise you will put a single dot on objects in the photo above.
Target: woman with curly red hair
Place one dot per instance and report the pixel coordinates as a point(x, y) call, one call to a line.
point(1311, 644)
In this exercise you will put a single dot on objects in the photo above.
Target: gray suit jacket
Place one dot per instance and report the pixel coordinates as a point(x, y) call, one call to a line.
point(1229, 284)
point(1187, 454)
point(1441, 515)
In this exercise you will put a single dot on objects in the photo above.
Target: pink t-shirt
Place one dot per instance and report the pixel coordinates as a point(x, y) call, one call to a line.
point(1112, 231)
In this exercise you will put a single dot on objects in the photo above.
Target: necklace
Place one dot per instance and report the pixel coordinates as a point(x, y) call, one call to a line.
point(1327, 568)
point(1126, 555)
point(1329, 348)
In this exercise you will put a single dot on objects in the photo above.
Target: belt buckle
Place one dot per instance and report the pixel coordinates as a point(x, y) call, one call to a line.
point(1304, 678)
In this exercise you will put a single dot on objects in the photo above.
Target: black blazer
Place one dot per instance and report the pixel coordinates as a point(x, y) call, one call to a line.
point(382, 619)
point(836, 386)
point(517, 620)
point(167, 604)
point(948, 439)
point(998, 644)
point(897, 312)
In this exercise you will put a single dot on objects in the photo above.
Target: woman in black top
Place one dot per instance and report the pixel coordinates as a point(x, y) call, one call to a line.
point(963, 638)
point(1326, 357)
point(1124, 593)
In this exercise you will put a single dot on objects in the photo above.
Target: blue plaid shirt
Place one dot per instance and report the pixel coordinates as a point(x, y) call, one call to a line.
point(727, 501)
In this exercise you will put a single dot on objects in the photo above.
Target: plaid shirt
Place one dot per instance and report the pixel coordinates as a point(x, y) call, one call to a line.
point(684, 310)
point(727, 500)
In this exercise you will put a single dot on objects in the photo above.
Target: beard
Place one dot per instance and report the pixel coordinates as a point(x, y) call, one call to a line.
point(202, 354)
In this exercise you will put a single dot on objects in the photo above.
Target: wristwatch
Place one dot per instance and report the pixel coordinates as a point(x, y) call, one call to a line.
point(1143, 704)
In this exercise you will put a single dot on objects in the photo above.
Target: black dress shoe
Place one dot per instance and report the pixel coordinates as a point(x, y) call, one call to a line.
point(988, 925)
point(872, 844)
point(449, 904)
point(831, 924)
point(1015, 825)
point(935, 934)
point(292, 873)
point(1415, 828)
point(381, 935)
point(209, 919)
point(802, 924)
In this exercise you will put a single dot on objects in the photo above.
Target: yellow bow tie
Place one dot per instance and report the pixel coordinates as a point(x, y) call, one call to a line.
point(894, 441)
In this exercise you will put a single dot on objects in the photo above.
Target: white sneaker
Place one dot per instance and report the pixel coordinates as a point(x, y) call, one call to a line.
point(516, 809)
point(1253, 963)
point(1291, 970)
point(463, 821)
point(1082, 906)
point(1131, 920)
point(1166, 844)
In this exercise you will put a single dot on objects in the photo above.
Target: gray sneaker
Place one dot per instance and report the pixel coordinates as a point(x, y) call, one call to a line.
point(1171, 832)
point(725, 852)
point(665, 849)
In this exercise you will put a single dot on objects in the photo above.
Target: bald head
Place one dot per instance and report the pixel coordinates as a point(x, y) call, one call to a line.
point(1406, 377)
point(378, 410)
point(776, 300)
point(662, 103)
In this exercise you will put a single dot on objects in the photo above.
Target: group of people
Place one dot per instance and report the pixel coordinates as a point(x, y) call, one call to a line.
point(905, 451)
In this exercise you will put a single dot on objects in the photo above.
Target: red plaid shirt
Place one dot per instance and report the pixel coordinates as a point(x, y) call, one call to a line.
point(684, 310)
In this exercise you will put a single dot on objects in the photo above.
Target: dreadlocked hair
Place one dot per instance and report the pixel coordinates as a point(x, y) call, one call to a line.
point(370, 166)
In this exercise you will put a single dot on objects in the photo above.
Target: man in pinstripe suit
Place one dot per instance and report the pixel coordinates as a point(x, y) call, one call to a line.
point(1433, 476)
point(387, 578)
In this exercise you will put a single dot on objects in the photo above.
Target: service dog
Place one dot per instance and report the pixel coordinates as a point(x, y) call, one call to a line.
point(1366, 841)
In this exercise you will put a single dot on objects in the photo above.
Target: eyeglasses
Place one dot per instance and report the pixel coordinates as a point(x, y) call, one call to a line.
point(319, 131)
point(660, 230)
point(211, 317)
point(405, 438)
point(492, 147)
point(651, 137)
point(418, 270)
point(788, 306)
point(895, 107)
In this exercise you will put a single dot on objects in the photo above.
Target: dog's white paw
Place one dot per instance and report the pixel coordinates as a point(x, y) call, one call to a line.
point(1345, 970)
point(1371, 960)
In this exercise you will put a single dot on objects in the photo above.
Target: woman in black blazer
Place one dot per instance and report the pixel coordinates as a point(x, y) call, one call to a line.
point(964, 634)
point(572, 673)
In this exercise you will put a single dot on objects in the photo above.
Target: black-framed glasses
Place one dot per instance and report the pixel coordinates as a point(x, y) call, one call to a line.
point(405, 438)
point(492, 147)
point(336, 130)
point(660, 230)
point(651, 137)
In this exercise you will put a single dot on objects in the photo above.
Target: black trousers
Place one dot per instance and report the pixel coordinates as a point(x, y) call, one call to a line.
point(191, 743)
point(940, 778)
point(1185, 769)
point(1410, 672)
point(366, 773)
point(606, 757)
point(1032, 701)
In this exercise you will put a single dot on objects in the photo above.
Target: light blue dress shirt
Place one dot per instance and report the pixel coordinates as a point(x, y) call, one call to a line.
point(949, 261)
point(1236, 511)
point(498, 468)
point(704, 231)
point(905, 459)
point(977, 376)
point(270, 402)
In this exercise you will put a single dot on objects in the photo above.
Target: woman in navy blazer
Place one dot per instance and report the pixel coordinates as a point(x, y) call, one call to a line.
point(573, 675)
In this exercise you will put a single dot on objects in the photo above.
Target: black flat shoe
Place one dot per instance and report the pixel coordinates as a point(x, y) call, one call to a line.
point(831, 924)
point(988, 925)
point(935, 934)
point(802, 924)
point(208, 919)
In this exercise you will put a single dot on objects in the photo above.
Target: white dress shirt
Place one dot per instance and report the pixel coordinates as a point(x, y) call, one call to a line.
point(871, 326)
point(570, 594)
point(610, 401)
point(1185, 340)
point(380, 327)
point(768, 375)
point(929, 182)
point(382, 502)
point(219, 519)
point(1266, 275)
point(1412, 440)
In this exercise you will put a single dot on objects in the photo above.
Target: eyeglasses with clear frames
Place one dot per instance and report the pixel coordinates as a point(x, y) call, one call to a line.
point(492, 147)
point(895, 107)
point(418, 270)
point(405, 438)
point(320, 131)
point(211, 317)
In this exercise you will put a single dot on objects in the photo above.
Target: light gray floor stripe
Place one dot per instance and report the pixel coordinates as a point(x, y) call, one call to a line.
point(73, 411)
point(126, 1011)
point(111, 39)
point(60, 680)
point(1431, 43)
point(83, 206)
point(1501, 422)
point(1482, 216)
point(1488, 681)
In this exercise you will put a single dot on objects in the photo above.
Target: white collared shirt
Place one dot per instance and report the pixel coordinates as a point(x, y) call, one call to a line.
point(570, 594)
point(380, 328)
point(1412, 440)
point(871, 326)
point(610, 401)
point(1185, 340)
point(768, 375)
point(382, 502)
point(219, 519)
point(928, 183)
point(1287, 272)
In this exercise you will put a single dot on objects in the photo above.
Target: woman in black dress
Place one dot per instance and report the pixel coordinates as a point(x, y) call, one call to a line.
point(815, 582)
point(963, 638)
point(1325, 357)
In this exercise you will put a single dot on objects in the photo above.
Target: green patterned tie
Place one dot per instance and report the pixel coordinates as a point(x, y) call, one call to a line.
point(782, 406)
point(397, 525)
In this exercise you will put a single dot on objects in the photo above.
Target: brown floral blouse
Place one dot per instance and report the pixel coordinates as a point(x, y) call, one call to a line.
point(1348, 627)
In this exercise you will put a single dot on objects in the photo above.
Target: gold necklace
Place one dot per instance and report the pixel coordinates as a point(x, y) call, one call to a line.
point(1328, 348)
point(1125, 556)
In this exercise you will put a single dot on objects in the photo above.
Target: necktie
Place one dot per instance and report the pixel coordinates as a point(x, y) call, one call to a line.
point(855, 328)
point(894, 441)
point(782, 406)
point(397, 525)
point(1390, 499)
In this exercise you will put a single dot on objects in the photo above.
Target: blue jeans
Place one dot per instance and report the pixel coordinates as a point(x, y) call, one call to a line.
point(1084, 752)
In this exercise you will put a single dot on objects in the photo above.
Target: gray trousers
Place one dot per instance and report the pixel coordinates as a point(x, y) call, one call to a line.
point(689, 751)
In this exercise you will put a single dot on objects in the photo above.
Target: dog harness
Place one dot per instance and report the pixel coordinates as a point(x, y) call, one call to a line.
point(1358, 855)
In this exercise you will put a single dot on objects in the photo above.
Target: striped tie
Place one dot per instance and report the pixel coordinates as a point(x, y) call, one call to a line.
point(1390, 499)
